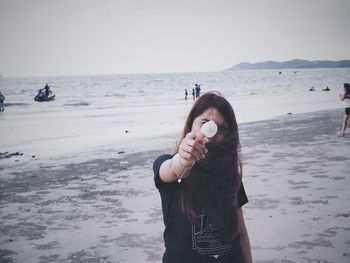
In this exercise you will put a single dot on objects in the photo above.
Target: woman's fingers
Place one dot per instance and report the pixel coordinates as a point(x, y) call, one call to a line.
point(192, 148)
point(196, 149)
point(197, 142)
point(192, 153)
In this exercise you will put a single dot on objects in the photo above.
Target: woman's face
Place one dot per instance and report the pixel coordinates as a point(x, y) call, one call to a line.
point(208, 115)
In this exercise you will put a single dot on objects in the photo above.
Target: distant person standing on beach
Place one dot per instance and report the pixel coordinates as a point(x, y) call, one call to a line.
point(186, 94)
point(198, 90)
point(345, 96)
point(201, 189)
point(193, 94)
point(2, 98)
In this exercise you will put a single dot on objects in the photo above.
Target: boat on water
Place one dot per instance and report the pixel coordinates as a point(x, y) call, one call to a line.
point(42, 96)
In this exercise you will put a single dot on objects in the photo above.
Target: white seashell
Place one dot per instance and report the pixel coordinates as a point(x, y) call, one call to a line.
point(209, 129)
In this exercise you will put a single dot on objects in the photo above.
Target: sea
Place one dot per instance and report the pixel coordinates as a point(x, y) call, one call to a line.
point(119, 112)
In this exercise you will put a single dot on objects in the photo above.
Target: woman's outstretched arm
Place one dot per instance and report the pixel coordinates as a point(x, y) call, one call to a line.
point(191, 149)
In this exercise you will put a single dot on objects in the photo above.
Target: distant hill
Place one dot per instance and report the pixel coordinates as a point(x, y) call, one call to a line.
point(295, 63)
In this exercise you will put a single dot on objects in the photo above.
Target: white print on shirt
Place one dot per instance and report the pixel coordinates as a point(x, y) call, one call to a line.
point(207, 238)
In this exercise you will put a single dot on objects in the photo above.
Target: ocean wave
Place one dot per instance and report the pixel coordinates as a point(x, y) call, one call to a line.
point(77, 103)
point(118, 95)
point(10, 104)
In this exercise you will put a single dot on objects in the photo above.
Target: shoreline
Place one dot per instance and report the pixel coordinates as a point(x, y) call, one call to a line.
point(95, 208)
point(112, 120)
point(126, 139)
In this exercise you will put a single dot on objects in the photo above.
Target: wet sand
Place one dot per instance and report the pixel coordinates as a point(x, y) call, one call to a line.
point(106, 210)
point(298, 183)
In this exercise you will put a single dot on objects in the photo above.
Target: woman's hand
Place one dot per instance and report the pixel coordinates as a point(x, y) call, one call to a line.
point(192, 148)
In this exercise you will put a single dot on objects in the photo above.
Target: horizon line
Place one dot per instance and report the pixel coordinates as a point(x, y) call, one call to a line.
point(167, 72)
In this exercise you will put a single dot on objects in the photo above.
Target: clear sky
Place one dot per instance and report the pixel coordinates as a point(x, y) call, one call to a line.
point(78, 37)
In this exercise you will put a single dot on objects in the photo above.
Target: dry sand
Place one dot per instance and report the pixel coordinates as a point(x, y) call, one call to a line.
point(295, 176)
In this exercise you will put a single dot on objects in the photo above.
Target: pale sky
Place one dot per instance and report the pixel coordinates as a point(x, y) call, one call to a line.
point(83, 37)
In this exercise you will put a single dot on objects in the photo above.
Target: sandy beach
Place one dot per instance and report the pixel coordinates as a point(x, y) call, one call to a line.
point(97, 209)
point(92, 92)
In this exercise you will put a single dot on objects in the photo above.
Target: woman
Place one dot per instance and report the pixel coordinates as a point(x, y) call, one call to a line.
point(201, 190)
point(345, 96)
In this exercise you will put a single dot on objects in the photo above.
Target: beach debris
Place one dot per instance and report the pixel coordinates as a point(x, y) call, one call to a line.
point(123, 164)
point(343, 215)
point(126, 131)
point(8, 155)
point(209, 129)
point(289, 113)
point(325, 202)
point(121, 152)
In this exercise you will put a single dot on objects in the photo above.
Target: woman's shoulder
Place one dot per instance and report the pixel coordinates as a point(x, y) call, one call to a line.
point(159, 160)
point(163, 157)
point(156, 167)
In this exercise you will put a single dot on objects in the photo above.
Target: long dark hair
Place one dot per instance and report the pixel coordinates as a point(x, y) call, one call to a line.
point(347, 88)
point(213, 182)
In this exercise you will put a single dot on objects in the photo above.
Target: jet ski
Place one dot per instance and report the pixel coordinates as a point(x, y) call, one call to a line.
point(41, 96)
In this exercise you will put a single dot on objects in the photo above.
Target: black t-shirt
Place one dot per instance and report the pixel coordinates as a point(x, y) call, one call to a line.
point(186, 242)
